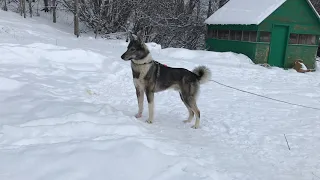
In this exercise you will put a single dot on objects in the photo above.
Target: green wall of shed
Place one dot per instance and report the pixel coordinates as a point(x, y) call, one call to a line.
point(297, 14)
point(218, 45)
point(307, 53)
point(294, 52)
point(301, 19)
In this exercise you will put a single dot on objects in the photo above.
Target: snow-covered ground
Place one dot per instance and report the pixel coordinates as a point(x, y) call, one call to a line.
point(67, 110)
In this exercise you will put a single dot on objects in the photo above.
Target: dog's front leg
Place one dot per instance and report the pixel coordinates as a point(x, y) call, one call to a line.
point(140, 97)
point(150, 98)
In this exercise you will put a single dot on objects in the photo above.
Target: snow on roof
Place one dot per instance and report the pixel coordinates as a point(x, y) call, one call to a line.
point(244, 12)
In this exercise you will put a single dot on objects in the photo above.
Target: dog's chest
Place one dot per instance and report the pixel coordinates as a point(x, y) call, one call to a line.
point(139, 73)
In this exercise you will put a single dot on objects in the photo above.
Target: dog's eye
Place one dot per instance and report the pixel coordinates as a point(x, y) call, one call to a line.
point(132, 49)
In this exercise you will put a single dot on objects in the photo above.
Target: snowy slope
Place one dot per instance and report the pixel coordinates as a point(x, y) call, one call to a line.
point(68, 105)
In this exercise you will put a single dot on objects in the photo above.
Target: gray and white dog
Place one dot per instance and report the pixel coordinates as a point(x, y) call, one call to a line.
point(150, 76)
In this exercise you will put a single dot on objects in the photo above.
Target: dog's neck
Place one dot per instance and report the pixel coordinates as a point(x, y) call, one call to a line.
point(146, 60)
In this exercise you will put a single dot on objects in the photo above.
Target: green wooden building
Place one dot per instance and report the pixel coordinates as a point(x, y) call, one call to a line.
point(276, 32)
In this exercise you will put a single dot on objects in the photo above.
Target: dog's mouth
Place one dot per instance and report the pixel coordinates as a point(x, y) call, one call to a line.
point(126, 59)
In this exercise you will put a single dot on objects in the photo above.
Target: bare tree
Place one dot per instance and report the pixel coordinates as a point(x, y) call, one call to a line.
point(171, 23)
point(214, 5)
point(46, 4)
point(316, 4)
point(30, 7)
point(24, 8)
point(76, 18)
point(100, 24)
point(222, 3)
point(20, 7)
point(5, 8)
point(54, 11)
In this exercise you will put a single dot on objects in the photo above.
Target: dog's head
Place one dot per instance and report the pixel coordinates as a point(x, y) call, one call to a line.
point(136, 49)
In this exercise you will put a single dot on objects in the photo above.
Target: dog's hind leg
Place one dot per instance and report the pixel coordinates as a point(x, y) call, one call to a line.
point(196, 110)
point(191, 102)
point(140, 97)
point(191, 113)
point(150, 98)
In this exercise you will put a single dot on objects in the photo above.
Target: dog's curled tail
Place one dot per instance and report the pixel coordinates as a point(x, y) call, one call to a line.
point(204, 74)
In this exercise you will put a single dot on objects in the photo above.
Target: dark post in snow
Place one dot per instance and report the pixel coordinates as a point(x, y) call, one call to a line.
point(76, 18)
point(5, 8)
point(54, 11)
point(30, 8)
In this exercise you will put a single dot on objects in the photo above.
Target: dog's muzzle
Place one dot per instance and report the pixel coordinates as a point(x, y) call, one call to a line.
point(124, 57)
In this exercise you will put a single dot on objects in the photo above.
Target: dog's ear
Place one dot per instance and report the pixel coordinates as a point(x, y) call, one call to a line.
point(140, 35)
point(132, 36)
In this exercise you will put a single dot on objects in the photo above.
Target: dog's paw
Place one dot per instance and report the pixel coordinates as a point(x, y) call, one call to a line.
point(138, 115)
point(195, 127)
point(148, 121)
point(187, 121)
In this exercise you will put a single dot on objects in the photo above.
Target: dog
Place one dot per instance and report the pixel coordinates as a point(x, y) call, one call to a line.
point(300, 67)
point(150, 76)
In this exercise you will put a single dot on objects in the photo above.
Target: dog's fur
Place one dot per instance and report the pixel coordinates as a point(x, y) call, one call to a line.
point(150, 76)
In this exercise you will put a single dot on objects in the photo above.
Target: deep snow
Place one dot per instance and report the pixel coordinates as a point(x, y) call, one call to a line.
point(68, 105)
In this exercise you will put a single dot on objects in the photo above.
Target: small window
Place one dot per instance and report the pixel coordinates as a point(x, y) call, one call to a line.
point(238, 35)
point(245, 36)
point(232, 35)
point(265, 36)
point(307, 39)
point(302, 39)
point(253, 36)
point(235, 35)
point(209, 33)
point(223, 34)
point(312, 40)
point(294, 39)
point(212, 33)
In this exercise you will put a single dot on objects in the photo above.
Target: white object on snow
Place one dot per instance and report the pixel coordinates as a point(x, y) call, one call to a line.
point(303, 67)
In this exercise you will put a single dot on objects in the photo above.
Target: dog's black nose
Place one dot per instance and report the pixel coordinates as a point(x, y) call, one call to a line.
point(122, 56)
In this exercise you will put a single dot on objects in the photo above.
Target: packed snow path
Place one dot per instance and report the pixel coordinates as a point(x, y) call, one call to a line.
point(68, 105)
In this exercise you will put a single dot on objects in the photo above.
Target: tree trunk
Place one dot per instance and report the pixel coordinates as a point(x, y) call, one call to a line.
point(198, 10)
point(76, 18)
point(46, 4)
point(180, 7)
point(5, 8)
point(99, 25)
point(54, 11)
point(24, 8)
point(21, 9)
point(210, 11)
point(30, 8)
point(38, 8)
